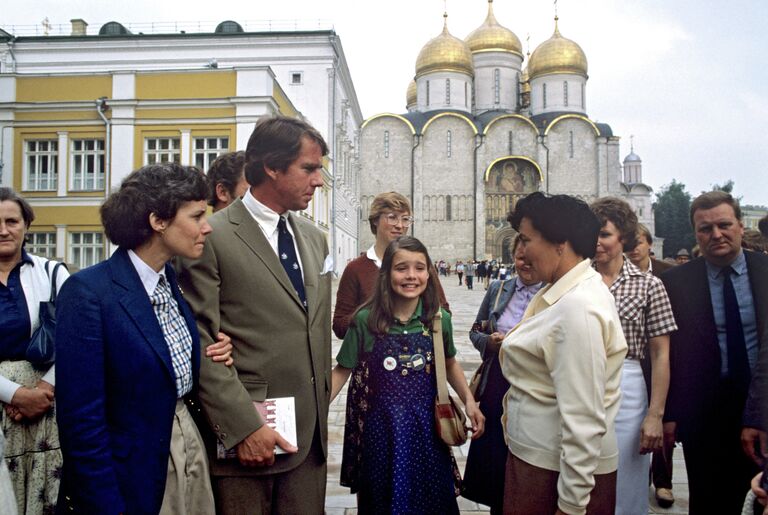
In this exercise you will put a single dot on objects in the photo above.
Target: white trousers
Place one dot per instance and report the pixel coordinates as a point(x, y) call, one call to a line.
point(634, 468)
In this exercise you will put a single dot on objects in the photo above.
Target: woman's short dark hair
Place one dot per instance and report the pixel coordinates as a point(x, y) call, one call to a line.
point(225, 170)
point(559, 219)
point(275, 143)
point(160, 189)
point(620, 214)
point(27, 213)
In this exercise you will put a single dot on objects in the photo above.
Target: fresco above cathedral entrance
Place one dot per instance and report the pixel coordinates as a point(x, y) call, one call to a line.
point(507, 181)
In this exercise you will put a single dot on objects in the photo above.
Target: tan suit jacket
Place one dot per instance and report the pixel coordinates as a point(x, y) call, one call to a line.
point(239, 287)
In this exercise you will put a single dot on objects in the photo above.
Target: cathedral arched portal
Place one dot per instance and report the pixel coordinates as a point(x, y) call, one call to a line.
point(506, 181)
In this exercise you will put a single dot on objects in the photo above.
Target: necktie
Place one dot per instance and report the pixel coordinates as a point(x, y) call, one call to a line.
point(738, 364)
point(290, 261)
point(176, 334)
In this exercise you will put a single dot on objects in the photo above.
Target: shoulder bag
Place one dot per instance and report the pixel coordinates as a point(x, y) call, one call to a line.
point(41, 350)
point(476, 383)
point(450, 421)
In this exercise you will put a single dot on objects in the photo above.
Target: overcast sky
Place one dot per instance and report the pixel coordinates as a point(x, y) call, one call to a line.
point(687, 78)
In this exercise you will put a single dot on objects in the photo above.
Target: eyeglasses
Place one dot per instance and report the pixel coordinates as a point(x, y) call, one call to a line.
point(393, 219)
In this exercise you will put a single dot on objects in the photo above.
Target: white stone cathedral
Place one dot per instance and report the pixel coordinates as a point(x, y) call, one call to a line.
point(481, 131)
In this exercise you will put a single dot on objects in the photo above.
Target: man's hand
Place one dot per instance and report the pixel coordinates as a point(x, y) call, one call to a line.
point(755, 444)
point(32, 403)
point(258, 448)
point(762, 495)
point(221, 350)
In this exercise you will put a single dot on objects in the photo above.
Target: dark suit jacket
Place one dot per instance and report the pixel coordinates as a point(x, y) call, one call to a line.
point(115, 389)
point(239, 287)
point(694, 350)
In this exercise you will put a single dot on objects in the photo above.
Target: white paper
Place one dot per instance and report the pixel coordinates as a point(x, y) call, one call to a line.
point(279, 414)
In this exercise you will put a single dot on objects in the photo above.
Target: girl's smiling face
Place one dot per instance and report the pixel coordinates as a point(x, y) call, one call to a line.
point(409, 274)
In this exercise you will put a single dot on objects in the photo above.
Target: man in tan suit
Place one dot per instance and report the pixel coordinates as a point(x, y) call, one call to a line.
point(261, 280)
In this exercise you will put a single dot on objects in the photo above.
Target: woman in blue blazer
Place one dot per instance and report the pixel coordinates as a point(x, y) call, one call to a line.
point(501, 309)
point(127, 352)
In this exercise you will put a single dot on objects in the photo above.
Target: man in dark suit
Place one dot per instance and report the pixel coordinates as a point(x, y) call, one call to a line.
point(262, 281)
point(720, 301)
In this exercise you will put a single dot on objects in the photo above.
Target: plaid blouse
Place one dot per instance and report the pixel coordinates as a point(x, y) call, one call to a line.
point(643, 306)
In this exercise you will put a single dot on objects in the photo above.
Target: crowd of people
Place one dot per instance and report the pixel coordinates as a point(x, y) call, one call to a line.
point(595, 355)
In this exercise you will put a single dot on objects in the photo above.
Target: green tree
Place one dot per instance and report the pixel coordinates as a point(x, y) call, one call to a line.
point(671, 211)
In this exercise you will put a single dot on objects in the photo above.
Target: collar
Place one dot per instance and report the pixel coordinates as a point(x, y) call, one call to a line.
point(416, 314)
point(264, 216)
point(574, 276)
point(519, 285)
point(148, 277)
point(739, 266)
point(371, 254)
point(26, 259)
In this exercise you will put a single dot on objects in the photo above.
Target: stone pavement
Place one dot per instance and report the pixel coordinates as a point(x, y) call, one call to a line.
point(464, 305)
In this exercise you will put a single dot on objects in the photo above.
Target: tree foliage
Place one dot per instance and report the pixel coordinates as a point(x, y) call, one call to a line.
point(671, 211)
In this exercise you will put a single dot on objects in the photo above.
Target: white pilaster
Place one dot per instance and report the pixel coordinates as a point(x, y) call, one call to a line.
point(63, 178)
point(186, 147)
point(61, 241)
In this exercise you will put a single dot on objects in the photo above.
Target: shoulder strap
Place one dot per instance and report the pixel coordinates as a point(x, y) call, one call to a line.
point(440, 374)
point(498, 295)
point(54, 289)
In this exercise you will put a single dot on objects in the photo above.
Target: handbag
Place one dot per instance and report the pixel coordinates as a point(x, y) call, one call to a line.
point(486, 326)
point(450, 421)
point(41, 350)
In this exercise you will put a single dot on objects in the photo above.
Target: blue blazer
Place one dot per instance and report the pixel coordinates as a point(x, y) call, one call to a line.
point(115, 390)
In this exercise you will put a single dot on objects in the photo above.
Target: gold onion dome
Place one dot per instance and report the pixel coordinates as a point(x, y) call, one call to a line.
point(410, 95)
point(444, 53)
point(557, 55)
point(525, 80)
point(492, 37)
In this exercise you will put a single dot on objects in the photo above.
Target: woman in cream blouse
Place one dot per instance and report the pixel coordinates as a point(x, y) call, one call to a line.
point(563, 362)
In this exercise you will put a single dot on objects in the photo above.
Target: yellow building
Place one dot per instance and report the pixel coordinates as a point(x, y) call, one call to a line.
point(80, 111)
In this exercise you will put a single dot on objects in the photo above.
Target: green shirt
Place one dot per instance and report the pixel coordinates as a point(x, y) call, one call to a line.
point(359, 335)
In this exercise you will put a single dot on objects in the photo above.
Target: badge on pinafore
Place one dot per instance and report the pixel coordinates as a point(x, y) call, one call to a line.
point(390, 363)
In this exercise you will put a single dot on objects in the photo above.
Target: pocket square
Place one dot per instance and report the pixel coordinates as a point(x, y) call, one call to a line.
point(327, 265)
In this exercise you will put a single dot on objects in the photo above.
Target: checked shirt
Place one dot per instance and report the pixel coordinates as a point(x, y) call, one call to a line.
point(644, 308)
point(176, 334)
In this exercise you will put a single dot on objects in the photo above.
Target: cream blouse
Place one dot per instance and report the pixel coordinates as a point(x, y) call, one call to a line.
point(563, 362)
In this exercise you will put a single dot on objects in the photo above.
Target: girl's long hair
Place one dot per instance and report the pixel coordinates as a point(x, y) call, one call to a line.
point(381, 302)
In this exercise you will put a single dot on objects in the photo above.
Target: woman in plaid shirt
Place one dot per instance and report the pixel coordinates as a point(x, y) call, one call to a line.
point(647, 320)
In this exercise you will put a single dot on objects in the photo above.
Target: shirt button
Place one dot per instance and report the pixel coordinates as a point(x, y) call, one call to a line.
point(312, 380)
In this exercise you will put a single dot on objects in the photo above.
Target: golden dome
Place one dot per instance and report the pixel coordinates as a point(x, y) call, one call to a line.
point(557, 55)
point(444, 53)
point(492, 37)
point(410, 95)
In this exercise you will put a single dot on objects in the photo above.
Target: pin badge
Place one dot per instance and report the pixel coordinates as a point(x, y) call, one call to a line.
point(418, 362)
point(390, 363)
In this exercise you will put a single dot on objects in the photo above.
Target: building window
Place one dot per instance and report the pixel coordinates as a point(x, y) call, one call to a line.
point(583, 98)
point(386, 144)
point(565, 92)
point(86, 248)
point(162, 150)
point(511, 146)
point(88, 164)
point(466, 94)
point(496, 86)
point(297, 78)
point(447, 91)
point(448, 144)
point(544, 94)
point(42, 244)
point(448, 213)
point(208, 149)
point(42, 165)
point(570, 144)
point(427, 93)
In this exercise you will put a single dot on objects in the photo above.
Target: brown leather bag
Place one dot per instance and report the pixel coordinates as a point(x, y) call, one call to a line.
point(450, 421)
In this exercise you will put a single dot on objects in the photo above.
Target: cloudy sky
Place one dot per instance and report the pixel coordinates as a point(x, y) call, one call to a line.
point(686, 78)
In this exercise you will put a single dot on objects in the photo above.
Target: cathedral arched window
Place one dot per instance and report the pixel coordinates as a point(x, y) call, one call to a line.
point(583, 98)
point(511, 145)
point(448, 205)
point(466, 94)
point(570, 144)
point(544, 94)
point(386, 144)
point(448, 144)
point(496, 86)
point(427, 95)
point(447, 91)
point(565, 92)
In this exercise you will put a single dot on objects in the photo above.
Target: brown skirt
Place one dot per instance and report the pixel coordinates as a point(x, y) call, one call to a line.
point(531, 490)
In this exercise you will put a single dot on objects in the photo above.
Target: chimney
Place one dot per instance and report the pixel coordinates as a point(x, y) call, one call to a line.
point(79, 27)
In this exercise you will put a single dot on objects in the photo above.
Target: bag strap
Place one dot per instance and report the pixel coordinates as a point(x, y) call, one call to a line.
point(440, 372)
point(495, 305)
point(54, 290)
